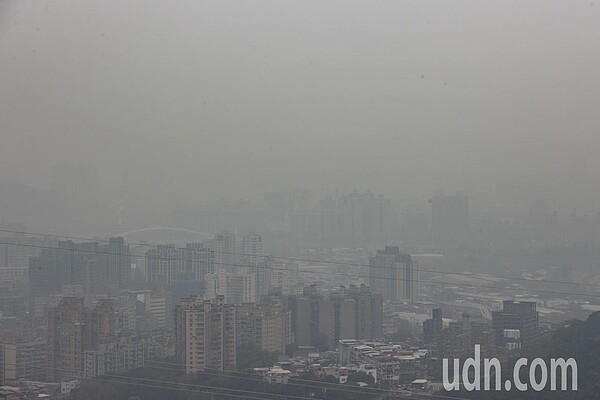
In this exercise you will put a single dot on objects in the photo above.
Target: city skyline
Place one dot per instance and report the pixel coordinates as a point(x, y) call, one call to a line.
point(266, 200)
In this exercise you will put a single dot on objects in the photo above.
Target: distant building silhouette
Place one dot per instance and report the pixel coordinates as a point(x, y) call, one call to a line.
point(394, 275)
point(100, 268)
point(167, 264)
point(235, 287)
point(224, 246)
point(432, 328)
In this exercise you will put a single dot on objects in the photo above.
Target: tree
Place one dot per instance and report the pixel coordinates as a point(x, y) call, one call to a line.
point(252, 356)
point(361, 376)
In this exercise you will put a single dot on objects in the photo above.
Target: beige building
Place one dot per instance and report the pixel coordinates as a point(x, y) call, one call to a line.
point(75, 329)
point(205, 334)
point(67, 339)
point(23, 360)
point(235, 287)
point(268, 327)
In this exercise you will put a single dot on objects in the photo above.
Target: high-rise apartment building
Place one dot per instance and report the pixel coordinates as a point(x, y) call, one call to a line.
point(74, 329)
point(68, 337)
point(224, 246)
point(516, 326)
point(282, 276)
point(205, 334)
point(100, 268)
point(114, 262)
point(323, 321)
point(252, 256)
point(16, 249)
point(368, 312)
point(267, 326)
point(432, 328)
point(167, 264)
point(354, 218)
point(235, 287)
point(252, 249)
point(394, 275)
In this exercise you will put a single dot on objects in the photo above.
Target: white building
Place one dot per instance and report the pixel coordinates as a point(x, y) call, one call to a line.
point(236, 287)
point(252, 248)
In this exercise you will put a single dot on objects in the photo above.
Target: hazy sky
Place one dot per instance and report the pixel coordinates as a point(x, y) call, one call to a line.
point(206, 98)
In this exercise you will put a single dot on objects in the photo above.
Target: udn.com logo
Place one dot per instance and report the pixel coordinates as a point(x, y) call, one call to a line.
point(541, 375)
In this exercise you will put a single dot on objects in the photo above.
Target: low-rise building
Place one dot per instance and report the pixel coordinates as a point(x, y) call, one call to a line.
point(274, 375)
point(393, 362)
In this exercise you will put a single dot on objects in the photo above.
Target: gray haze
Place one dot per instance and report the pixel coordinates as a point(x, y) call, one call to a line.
point(199, 100)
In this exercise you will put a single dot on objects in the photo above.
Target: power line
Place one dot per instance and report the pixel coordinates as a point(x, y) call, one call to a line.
point(309, 260)
point(211, 387)
point(315, 272)
point(312, 384)
point(334, 386)
point(255, 377)
point(246, 395)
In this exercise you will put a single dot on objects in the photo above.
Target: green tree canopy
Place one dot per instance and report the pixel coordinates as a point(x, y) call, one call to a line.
point(361, 376)
point(252, 356)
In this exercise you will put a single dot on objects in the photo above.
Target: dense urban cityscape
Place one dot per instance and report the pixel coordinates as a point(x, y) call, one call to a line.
point(299, 200)
point(283, 308)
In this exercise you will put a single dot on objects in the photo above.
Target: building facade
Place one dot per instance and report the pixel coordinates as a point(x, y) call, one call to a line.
point(394, 275)
point(99, 268)
point(205, 334)
point(77, 333)
point(235, 287)
point(323, 321)
point(23, 360)
point(516, 327)
point(167, 264)
point(267, 326)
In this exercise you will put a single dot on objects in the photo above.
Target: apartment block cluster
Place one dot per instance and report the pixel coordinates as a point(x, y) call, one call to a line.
point(238, 271)
point(87, 342)
point(312, 320)
point(101, 307)
point(208, 332)
point(81, 338)
point(355, 218)
point(93, 268)
point(322, 320)
point(511, 330)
